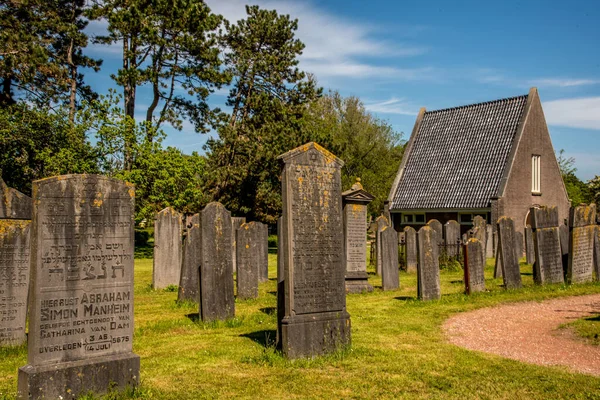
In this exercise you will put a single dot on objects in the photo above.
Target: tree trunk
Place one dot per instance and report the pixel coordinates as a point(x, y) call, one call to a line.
point(6, 95)
point(73, 90)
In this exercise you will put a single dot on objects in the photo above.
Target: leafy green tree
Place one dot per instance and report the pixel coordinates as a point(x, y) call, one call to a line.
point(577, 190)
point(594, 187)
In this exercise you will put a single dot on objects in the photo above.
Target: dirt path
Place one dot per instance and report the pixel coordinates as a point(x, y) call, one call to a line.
point(528, 332)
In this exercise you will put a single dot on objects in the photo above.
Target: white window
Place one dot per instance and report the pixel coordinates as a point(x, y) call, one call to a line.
point(535, 174)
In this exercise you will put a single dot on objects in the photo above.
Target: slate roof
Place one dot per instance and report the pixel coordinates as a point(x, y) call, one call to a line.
point(458, 156)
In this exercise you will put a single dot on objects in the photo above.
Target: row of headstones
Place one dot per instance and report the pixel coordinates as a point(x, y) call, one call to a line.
point(215, 245)
point(66, 261)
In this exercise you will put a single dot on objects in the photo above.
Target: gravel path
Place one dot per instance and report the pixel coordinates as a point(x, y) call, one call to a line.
point(528, 332)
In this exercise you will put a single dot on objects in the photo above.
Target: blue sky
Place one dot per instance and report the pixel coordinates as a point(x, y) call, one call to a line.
point(398, 56)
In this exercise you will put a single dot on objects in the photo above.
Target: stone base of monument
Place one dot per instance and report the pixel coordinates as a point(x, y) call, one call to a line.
point(70, 380)
point(358, 282)
point(310, 335)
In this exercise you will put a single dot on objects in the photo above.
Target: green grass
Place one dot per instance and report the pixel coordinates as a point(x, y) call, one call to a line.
point(587, 328)
point(398, 349)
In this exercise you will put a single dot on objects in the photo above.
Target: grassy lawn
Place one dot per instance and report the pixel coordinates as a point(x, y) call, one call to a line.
point(398, 349)
point(587, 328)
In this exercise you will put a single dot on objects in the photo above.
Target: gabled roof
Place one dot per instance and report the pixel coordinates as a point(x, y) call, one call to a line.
point(456, 157)
point(357, 194)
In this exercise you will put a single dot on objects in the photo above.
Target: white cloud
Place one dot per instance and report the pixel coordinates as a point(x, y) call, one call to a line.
point(575, 113)
point(564, 82)
point(333, 44)
point(391, 106)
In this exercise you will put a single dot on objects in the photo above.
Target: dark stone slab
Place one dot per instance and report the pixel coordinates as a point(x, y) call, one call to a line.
point(410, 237)
point(14, 280)
point(498, 264)
point(474, 276)
point(546, 237)
point(168, 231)
point(428, 274)
point(390, 278)
point(355, 202)
point(438, 228)
point(217, 301)
point(490, 241)
point(236, 222)
point(315, 319)
point(81, 278)
point(452, 235)
point(597, 254)
point(14, 204)
point(263, 251)
point(382, 222)
point(280, 279)
point(189, 284)
point(248, 238)
point(480, 231)
point(529, 247)
point(564, 246)
point(582, 224)
point(507, 252)
point(519, 244)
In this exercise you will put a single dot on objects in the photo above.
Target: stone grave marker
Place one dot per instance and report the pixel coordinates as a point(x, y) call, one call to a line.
point(519, 244)
point(410, 237)
point(507, 252)
point(390, 271)
point(236, 222)
point(382, 222)
point(81, 317)
point(480, 231)
point(355, 202)
point(474, 277)
point(189, 282)
point(597, 253)
point(529, 247)
point(248, 242)
point(263, 251)
point(498, 264)
point(14, 204)
point(428, 275)
point(439, 230)
point(14, 281)
point(452, 235)
point(315, 320)
point(280, 280)
point(490, 241)
point(564, 245)
point(168, 230)
point(217, 301)
point(546, 238)
point(582, 226)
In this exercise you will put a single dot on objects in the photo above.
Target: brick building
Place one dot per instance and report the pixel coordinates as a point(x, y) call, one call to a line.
point(490, 159)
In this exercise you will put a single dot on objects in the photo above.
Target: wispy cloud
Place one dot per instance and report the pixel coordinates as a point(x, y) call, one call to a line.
point(494, 76)
point(391, 106)
point(575, 113)
point(564, 82)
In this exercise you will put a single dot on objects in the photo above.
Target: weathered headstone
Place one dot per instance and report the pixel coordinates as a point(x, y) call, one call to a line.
point(168, 230)
point(490, 241)
point(14, 281)
point(189, 285)
point(452, 235)
point(280, 280)
point(474, 276)
point(519, 244)
point(382, 222)
point(236, 222)
point(216, 267)
point(546, 238)
point(263, 251)
point(597, 253)
point(507, 253)
point(498, 264)
point(428, 276)
point(564, 245)
point(390, 278)
point(81, 317)
point(410, 237)
point(582, 226)
point(315, 319)
point(480, 231)
point(248, 238)
point(529, 247)
point(386, 211)
point(355, 202)
point(14, 204)
point(439, 230)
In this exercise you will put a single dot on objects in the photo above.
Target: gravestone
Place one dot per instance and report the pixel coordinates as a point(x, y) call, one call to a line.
point(452, 235)
point(263, 251)
point(280, 280)
point(386, 211)
point(249, 257)
point(382, 222)
point(81, 317)
point(189, 284)
point(14, 204)
point(216, 265)
point(14, 281)
point(519, 244)
point(582, 226)
point(507, 253)
point(480, 231)
point(428, 274)
point(390, 278)
point(564, 245)
point(315, 319)
point(490, 241)
point(529, 247)
point(355, 202)
point(546, 239)
point(498, 264)
point(597, 253)
point(168, 229)
point(439, 230)
point(236, 222)
point(410, 237)
point(474, 276)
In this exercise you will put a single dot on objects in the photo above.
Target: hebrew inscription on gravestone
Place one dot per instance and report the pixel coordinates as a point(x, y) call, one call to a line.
point(582, 226)
point(546, 237)
point(473, 273)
